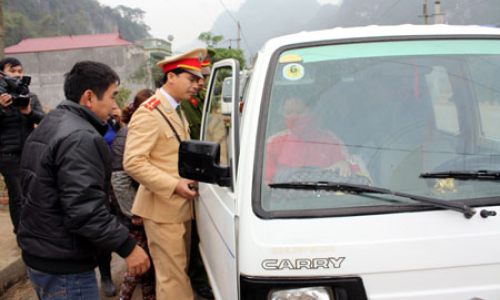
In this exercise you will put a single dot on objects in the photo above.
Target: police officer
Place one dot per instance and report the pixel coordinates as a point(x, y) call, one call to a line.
point(164, 199)
point(193, 109)
point(16, 124)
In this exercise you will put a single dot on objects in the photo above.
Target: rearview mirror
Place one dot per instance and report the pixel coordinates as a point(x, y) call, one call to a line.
point(200, 161)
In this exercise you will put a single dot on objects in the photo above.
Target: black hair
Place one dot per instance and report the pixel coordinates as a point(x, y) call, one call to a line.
point(88, 75)
point(176, 71)
point(12, 61)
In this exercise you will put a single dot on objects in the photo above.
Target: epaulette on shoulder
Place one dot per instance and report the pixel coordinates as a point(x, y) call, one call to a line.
point(152, 103)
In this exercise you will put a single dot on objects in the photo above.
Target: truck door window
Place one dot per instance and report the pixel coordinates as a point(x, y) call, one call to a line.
point(218, 119)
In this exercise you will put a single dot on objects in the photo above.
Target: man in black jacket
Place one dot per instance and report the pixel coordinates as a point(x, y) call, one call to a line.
point(16, 123)
point(65, 173)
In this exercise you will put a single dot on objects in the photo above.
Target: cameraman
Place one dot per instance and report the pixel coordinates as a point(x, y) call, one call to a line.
point(16, 123)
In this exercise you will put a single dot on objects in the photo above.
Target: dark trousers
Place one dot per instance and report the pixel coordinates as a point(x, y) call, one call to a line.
point(104, 263)
point(10, 169)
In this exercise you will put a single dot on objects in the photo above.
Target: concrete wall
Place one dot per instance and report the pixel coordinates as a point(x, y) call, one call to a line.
point(48, 68)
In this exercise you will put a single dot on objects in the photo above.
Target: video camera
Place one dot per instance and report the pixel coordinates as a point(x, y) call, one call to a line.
point(17, 88)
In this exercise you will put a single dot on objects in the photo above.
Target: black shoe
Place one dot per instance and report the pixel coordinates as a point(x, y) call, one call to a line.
point(205, 292)
point(108, 287)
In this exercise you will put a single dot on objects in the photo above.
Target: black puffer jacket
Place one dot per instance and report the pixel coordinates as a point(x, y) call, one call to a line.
point(16, 127)
point(118, 147)
point(65, 172)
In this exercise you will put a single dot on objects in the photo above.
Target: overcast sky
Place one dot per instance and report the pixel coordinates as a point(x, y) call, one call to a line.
point(185, 19)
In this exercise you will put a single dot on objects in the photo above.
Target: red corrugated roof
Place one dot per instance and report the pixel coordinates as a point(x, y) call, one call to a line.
point(71, 42)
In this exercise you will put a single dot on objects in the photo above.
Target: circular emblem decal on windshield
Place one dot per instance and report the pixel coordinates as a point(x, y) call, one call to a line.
point(293, 71)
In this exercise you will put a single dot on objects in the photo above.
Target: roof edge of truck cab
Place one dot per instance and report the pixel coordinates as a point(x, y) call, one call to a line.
point(366, 32)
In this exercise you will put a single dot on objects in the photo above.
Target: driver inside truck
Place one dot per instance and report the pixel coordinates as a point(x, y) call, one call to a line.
point(304, 144)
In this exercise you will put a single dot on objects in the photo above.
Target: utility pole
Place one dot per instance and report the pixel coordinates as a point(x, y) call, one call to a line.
point(239, 35)
point(2, 52)
point(425, 15)
point(437, 13)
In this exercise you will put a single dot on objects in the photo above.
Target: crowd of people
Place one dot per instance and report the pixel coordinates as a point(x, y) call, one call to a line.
point(88, 179)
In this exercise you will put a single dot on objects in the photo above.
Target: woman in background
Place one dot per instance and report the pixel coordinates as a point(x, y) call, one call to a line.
point(125, 188)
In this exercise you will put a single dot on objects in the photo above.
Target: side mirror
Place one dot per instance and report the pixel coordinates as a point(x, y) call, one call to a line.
point(200, 161)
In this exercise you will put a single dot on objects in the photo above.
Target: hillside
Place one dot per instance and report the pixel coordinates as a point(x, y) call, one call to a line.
point(44, 18)
point(280, 17)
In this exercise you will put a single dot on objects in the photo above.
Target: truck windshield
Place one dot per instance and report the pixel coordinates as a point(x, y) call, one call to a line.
point(381, 114)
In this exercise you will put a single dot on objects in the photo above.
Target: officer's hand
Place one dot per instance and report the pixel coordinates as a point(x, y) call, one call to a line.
point(5, 100)
point(26, 110)
point(184, 188)
point(138, 261)
point(137, 221)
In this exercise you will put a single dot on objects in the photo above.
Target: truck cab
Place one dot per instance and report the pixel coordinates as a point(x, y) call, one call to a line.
point(364, 164)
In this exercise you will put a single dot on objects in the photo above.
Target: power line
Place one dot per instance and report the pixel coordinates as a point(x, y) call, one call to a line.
point(211, 13)
point(239, 27)
point(228, 12)
point(388, 10)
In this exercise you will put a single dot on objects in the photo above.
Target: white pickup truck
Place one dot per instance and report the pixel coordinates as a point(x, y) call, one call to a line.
point(364, 164)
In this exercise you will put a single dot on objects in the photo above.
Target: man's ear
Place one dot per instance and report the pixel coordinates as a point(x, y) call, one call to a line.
point(171, 76)
point(86, 99)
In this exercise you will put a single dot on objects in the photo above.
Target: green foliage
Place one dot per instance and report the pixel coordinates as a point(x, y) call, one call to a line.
point(223, 53)
point(157, 73)
point(210, 39)
point(123, 96)
point(16, 28)
point(131, 23)
point(35, 18)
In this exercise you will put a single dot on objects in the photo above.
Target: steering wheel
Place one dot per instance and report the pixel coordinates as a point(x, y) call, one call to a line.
point(315, 174)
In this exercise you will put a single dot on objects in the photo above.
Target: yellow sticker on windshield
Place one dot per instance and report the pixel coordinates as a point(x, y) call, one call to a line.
point(293, 71)
point(445, 186)
point(290, 58)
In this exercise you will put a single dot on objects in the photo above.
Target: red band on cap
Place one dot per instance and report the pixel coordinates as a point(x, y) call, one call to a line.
point(186, 63)
point(205, 63)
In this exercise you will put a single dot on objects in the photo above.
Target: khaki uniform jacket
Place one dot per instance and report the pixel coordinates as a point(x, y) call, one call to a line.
point(151, 158)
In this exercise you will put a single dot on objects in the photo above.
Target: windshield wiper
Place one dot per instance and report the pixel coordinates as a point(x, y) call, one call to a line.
point(466, 210)
point(464, 174)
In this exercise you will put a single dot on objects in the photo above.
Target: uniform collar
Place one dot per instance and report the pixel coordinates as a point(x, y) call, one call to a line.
point(170, 99)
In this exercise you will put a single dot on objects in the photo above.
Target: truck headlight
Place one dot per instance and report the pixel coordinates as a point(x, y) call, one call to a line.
point(309, 293)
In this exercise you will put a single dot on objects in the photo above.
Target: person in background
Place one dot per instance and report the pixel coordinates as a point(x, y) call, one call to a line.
point(104, 258)
point(193, 108)
point(125, 189)
point(16, 124)
point(65, 175)
point(114, 123)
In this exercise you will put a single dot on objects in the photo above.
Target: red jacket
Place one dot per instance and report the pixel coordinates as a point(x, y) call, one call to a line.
point(315, 148)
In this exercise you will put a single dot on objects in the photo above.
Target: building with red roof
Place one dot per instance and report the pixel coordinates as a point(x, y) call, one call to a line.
point(48, 59)
point(64, 43)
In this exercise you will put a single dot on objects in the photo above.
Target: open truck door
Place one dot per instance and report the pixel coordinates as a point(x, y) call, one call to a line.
point(214, 159)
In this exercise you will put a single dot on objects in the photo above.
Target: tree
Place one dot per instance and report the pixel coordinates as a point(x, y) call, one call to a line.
point(223, 53)
point(35, 18)
point(16, 28)
point(131, 23)
point(123, 96)
point(210, 39)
